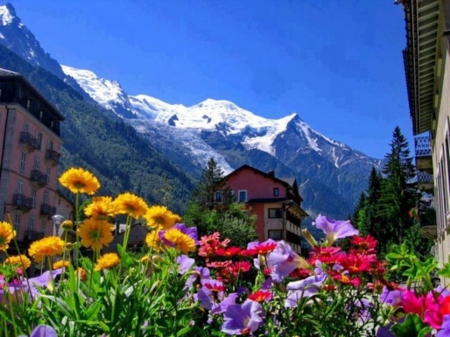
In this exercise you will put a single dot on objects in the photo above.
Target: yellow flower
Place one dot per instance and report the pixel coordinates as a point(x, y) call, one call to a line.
point(101, 208)
point(130, 204)
point(145, 259)
point(182, 242)
point(67, 224)
point(95, 233)
point(19, 261)
point(46, 247)
point(107, 261)
point(61, 264)
point(7, 233)
point(159, 217)
point(78, 180)
point(153, 241)
point(81, 273)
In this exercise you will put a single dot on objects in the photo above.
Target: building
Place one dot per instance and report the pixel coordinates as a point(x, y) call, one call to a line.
point(29, 155)
point(427, 66)
point(275, 201)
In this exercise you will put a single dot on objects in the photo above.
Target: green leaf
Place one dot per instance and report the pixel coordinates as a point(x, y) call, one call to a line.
point(184, 331)
point(412, 326)
point(127, 260)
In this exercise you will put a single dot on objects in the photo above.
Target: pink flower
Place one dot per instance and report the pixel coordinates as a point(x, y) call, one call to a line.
point(426, 307)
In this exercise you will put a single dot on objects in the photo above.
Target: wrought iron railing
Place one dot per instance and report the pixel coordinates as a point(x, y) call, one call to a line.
point(53, 156)
point(29, 140)
point(38, 177)
point(22, 202)
point(46, 209)
point(422, 146)
point(424, 177)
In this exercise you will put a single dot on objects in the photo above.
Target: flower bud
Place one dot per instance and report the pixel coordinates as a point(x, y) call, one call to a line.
point(307, 235)
point(67, 225)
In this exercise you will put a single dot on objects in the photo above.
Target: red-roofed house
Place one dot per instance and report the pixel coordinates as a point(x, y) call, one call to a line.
point(275, 201)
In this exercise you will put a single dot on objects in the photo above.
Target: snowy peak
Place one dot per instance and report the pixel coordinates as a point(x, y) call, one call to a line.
point(8, 14)
point(109, 94)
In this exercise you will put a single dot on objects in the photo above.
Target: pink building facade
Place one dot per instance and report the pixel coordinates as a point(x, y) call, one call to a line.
point(275, 201)
point(30, 147)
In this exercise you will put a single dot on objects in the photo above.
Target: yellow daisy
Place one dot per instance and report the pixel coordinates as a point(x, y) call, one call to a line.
point(46, 247)
point(78, 180)
point(159, 217)
point(95, 233)
point(153, 241)
point(127, 203)
point(7, 233)
point(61, 264)
point(182, 242)
point(80, 272)
point(107, 261)
point(101, 208)
point(19, 261)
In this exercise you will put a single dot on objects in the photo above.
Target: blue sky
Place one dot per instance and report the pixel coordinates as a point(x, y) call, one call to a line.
point(338, 64)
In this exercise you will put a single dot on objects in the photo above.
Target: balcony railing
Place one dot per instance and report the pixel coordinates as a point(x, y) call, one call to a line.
point(38, 178)
point(47, 210)
point(425, 181)
point(32, 235)
point(22, 202)
point(52, 157)
point(28, 142)
point(423, 154)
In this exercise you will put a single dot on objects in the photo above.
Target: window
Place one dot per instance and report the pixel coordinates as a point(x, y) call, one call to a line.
point(275, 234)
point(242, 196)
point(39, 139)
point(218, 197)
point(26, 127)
point(33, 197)
point(50, 144)
point(40, 114)
point(46, 197)
point(275, 213)
point(37, 163)
point(17, 222)
point(20, 187)
point(43, 226)
point(28, 104)
point(276, 192)
point(48, 175)
point(31, 223)
point(23, 160)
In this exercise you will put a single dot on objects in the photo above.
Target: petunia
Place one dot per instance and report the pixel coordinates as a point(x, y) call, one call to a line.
point(283, 260)
point(302, 289)
point(43, 331)
point(240, 319)
point(223, 306)
point(335, 229)
point(391, 297)
point(185, 263)
point(445, 328)
point(210, 294)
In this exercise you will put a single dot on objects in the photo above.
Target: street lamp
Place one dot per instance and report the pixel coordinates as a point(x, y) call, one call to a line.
point(57, 219)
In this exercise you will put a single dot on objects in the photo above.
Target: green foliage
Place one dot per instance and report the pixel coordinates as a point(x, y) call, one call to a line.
point(412, 326)
point(384, 209)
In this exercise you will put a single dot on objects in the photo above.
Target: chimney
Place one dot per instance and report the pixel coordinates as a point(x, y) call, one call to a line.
point(271, 173)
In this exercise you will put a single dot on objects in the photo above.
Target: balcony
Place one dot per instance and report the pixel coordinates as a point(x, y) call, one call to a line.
point(425, 182)
point(47, 210)
point(424, 160)
point(38, 178)
point(22, 203)
point(32, 235)
point(28, 142)
point(52, 157)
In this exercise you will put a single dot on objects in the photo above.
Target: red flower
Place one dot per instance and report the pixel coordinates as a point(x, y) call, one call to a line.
point(328, 255)
point(344, 279)
point(300, 273)
point(217, 287)
point(261, 249)
point(240, 266)
point(356, 264)
point(218, 264)
point(232, 251)
point(260, 296)
point(364, 244)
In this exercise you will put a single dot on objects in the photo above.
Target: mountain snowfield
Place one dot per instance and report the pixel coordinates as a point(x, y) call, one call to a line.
point(257, 132)
point(331, 175)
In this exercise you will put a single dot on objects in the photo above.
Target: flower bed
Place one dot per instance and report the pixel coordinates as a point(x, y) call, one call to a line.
point(186, 286)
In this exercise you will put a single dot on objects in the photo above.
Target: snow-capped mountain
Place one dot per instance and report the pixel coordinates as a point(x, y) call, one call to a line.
point(330, 174)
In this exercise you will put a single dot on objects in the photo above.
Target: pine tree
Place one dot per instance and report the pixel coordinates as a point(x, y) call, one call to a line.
point(374, 225)
point(210, 184)
point(398, 192)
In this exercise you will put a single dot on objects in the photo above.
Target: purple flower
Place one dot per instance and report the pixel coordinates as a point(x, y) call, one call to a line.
point(302, 289)
point(391, 297)
point(198, 274)
point(445, 328)
point(210, 294)
point(223, 306)
point(242, 318)
point(43, 331)
point(191, 231)
point(185, 263)
point(335, 229)
point(283, 260)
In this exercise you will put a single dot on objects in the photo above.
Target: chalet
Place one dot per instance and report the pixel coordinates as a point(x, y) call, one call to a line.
point(275, 201)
